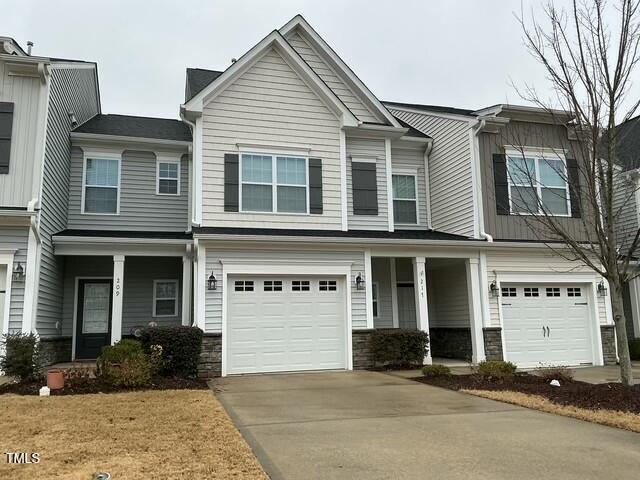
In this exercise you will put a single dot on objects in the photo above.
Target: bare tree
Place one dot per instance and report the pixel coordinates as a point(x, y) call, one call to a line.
point(589, 52)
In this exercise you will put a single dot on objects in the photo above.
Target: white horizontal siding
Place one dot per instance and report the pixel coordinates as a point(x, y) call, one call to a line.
point(625, 209)
point(371, 149)
point(449, 297)
point(411, 158)
point(213, 298)
point(540, 262)
point(15, 238)
point(450, 174)
point(333, 81)
point(269, 104)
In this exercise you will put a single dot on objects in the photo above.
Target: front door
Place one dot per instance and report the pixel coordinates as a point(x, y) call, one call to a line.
point(406, 306)
point(93, 321)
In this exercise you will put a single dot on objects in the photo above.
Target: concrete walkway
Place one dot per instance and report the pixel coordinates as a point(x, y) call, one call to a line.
point(367, 425)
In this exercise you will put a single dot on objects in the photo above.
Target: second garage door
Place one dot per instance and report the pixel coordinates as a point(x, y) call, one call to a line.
point(285, 323)
point(546, 324)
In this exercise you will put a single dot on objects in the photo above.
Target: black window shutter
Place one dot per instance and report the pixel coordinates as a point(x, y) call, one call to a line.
point(231, 180)
point(315, 185)
point(501, 183)
point(573, 176)
point(365, 188)
point(6, 125)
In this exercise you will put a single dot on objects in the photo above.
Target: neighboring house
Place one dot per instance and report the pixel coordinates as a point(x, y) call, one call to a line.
point(291, 213)
point(627, 205)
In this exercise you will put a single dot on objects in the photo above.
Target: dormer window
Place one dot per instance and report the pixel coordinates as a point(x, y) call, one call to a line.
point(101, 184)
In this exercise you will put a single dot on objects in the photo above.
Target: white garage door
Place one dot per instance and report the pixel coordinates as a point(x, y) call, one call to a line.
point(285, 323)
point(546, 324)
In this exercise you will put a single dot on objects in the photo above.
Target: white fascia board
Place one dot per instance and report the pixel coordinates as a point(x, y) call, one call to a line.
point(276, 41)
point(80, 139)
point(332, 58)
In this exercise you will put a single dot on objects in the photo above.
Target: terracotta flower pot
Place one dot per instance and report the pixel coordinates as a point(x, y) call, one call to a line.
point(55, 379)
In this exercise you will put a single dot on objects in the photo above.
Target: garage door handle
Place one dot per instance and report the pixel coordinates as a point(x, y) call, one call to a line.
point(506, 304)
point(581, 303)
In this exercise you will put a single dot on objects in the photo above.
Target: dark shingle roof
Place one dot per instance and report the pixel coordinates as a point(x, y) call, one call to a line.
point(431, 108)
point(124, 234)
point(143, 127)
point(628, 138)
point(197, 79)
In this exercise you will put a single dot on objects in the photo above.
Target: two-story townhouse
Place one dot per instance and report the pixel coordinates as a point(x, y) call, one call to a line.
point(41, 100)
point(539, 307)
point(321, 214)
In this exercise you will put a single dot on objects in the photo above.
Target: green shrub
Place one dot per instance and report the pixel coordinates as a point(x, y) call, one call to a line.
point(562, 374)
point(399, 348)
point(125, 364)
point(436, 370)
point(179, 350)
point(496, 369)
point(634, 349)
point(21, 358)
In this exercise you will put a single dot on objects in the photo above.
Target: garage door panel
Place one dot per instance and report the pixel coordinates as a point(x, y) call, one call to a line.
point(546, 330)
point(285, 330)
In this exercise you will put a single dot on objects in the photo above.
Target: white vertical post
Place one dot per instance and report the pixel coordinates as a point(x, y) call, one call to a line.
point(186, 290)
point(634, 293)
point(394, 293)
point(368, 289)
point(420, 287)
point(475, 309)
point(29, 303)
point(118, 289)
point(344, 211)
point(389, 171)
point(201, 287)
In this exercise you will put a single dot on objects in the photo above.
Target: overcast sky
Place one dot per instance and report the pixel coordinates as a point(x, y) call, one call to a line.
point(462, 53)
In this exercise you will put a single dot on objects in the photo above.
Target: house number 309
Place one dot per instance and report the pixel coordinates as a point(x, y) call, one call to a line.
point(117, 287)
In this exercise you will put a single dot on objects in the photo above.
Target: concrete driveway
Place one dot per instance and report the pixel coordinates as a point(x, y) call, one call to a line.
point(366, 425)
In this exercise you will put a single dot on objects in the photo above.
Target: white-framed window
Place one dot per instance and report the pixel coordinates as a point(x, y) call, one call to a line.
point(167, 176)
point(165, 298)
point(274, 183)
point(101, 184)
point(405, 199)
point(328, 285)
point(538, 183)
point(300, 286)
point(243, 286)
point(531, 292)
point(273, 285)
point(509, 292)
point(574, 292)
point(553, 291)
point(375, 298)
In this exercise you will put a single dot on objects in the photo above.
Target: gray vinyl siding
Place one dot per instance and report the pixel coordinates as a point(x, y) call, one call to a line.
point(625, 208)
point(137, 299)
point(449, 297)
point(269, 104)
point(381, 274)
point(372, 149)
point(22, 183)
point(516, 227)
point(406, 157)
point(450, 171)
point(329, 76)
point(72, 90)
point(213, 298)
point(140, 207)
point(15, 238)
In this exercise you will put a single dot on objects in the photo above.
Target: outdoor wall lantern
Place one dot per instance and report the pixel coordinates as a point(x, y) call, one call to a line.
point(359, 282)
point(212, 282)
point(18, 272)
point(493, 288)
point(602, 290)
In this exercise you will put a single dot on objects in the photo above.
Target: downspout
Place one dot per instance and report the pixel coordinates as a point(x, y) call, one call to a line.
point(192, 180)
point(477, 129)
point(33, 223)
point(427, 152)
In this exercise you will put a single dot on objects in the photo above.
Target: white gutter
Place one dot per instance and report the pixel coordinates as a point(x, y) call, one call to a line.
point(477, 180)
point(427, 152)
point(31, 208)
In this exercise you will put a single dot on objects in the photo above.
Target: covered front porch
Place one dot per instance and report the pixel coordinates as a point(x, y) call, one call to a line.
point(114, 291)
point(437, 295)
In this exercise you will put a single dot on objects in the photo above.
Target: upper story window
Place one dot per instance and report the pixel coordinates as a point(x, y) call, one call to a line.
point(537, 184)
point(167, 177)
point(405, 203)
point(274, 183)
point(101, 185)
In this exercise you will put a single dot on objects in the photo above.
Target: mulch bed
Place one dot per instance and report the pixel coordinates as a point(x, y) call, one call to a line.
point(96, 385)
point(604, 396)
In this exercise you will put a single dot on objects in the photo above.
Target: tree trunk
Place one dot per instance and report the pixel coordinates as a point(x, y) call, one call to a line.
point(626, 375)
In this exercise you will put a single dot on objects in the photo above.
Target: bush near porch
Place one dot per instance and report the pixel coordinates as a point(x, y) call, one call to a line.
point(180, 346)
point(399, 348)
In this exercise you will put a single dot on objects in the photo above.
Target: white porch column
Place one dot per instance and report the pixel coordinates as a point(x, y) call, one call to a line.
point(368, 289)
point(118, 289)
point(634, 293)
point(420, 287)
point(394, 293)
point(186, 290)
point(474, 292)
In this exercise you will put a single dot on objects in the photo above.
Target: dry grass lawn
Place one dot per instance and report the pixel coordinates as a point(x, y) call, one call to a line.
point(624, 420)
point(171, 434)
